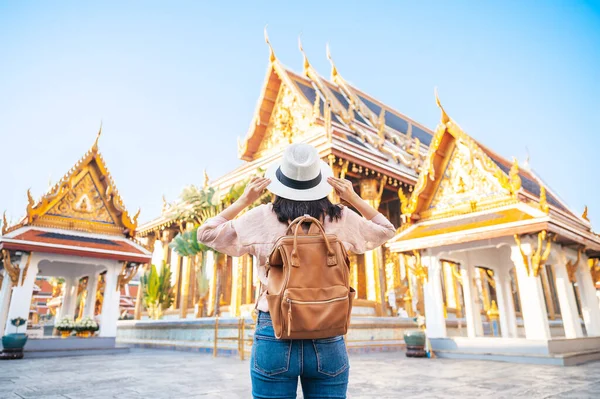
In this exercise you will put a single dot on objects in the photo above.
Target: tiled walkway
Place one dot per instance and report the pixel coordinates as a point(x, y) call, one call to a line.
point(168, 374)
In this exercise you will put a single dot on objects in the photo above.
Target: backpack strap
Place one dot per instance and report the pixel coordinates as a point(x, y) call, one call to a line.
point(331, 256)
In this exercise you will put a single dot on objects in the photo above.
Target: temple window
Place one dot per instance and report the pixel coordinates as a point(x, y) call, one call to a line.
point(452, 289)
point(578, 299)
point(514, 285)
point(486, 286)
point(550, 293)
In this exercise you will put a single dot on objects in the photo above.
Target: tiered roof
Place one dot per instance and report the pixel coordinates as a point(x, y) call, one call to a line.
point(356, 124)
point(465, 192)
point(83, 214)
point(341, 120)
point(85, 199)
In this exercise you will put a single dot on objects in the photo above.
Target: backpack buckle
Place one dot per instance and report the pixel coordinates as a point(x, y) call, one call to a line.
point(331, 260)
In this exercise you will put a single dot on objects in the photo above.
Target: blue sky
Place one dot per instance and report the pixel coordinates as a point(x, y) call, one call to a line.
point(176, 83)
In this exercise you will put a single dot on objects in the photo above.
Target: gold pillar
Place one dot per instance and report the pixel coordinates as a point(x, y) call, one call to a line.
point(333, 197)
point(211, 261)
point(408, 294)
point(165, 239)
point(415, 283)
point(236, 286)
point(199, 271)
point(137, 313)
point(456, 284)
point(193, 286)
point(392, 276)
point(248, 262)
point(371, 192)
point(175, 278)
point(354, 272)
point(186, 272)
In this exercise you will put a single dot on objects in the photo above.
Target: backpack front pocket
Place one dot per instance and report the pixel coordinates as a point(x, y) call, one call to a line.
point(315, 309)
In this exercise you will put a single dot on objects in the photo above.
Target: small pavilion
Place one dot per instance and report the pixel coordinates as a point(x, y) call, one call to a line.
point(506, 236)
point(78, 229)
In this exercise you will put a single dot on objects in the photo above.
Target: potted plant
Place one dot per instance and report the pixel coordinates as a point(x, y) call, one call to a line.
point(415, 339)
point(14, 343)
point(86, 327)
point(65, 326)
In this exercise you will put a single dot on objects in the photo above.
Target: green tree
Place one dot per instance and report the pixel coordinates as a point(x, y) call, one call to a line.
point(157, 292)
point(194, 207)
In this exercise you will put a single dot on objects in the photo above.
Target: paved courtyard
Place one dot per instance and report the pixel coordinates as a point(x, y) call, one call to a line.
point(168, 374)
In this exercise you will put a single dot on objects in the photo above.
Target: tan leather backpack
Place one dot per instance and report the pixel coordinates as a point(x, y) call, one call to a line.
point(308, 288)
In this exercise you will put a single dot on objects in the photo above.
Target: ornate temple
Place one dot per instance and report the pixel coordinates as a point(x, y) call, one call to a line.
point(78, 233)
point(484, 248)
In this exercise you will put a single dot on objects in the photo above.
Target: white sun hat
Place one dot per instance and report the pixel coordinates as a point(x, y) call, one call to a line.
point(300, 175)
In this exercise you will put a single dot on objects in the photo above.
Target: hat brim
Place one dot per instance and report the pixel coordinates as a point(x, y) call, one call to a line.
point(320, 191)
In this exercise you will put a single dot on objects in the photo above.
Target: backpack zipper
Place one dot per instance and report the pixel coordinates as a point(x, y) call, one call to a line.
point(291, 301)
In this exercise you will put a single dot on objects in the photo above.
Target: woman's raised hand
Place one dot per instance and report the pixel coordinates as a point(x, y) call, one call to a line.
point(343, 188)
point(254, 189)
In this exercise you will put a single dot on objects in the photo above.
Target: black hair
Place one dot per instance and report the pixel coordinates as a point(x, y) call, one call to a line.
point(288, 210)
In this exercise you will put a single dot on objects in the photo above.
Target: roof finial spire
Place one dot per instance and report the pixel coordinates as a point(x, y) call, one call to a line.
point(584, 215)
point(306, 63)
point(527, 159)
point(5, 223)
point(95, 146)
point(206, 180)
point(445, 117)
point(334, 71)
point(272, 57)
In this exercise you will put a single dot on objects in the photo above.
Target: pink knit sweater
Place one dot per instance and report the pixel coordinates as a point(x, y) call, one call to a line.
point(256, 231)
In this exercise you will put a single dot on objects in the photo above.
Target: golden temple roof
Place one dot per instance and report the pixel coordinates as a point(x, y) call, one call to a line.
point(466, 193)
point(345, 123)
point(356, 117)
point(84, 199)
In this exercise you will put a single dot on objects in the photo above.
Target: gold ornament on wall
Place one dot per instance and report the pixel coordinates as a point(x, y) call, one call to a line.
point(514, 180)
point(4, 224)
point(543, 200)
point(539, 254)
point(420, 271)
point(594, 265)
point(573, 266)
point(290, 121)
point(126, 275)
point(14, 270)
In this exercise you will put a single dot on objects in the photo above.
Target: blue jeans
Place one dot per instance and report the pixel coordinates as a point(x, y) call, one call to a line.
point(275, 365)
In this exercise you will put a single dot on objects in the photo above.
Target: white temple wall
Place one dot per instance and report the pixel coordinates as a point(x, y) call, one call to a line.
point(434, 303)
point(589, 300)
point(531, 293)
point(20, 302)
point(110, 304)
point(5, 292)
point(90, 301)
point(564, 290)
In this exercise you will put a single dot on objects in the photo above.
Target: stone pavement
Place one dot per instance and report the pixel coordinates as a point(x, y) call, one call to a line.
point(161, 374)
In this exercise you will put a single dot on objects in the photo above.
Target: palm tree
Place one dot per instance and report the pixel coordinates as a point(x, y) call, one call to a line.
point(194, 207)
